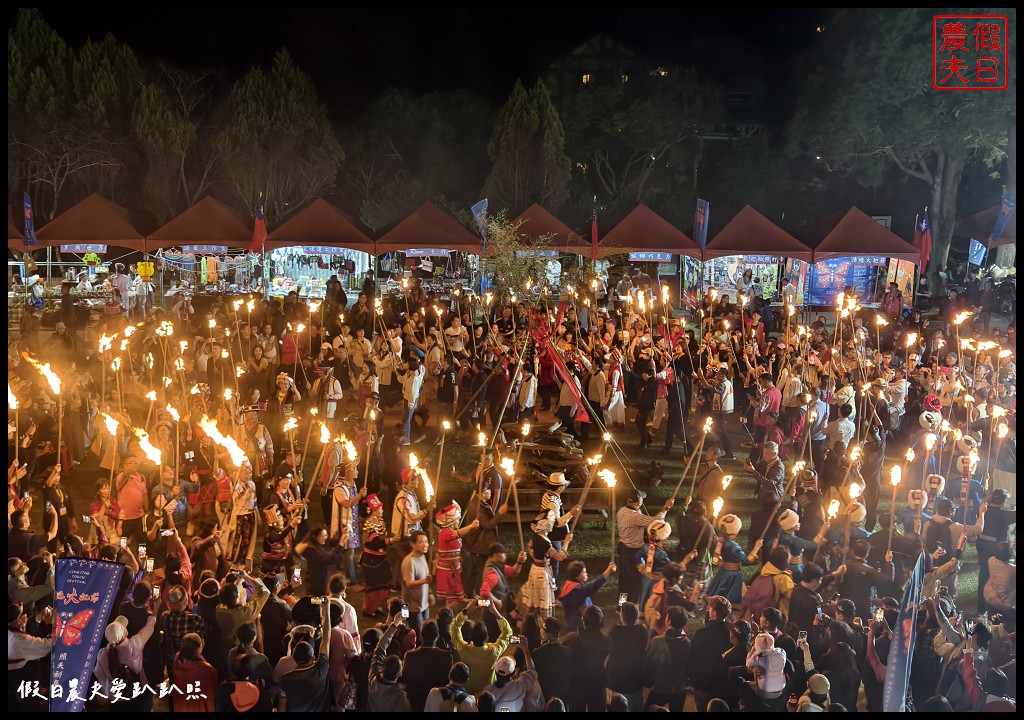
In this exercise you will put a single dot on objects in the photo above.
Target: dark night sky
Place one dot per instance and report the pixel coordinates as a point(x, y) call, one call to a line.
point(352, 54)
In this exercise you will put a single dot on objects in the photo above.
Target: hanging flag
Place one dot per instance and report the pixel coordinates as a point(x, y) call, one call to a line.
point(480, 215)
point(700, 223)
point(1006, 211)
point(901, 649)
point(923, 239)
point(542, 339)
point(85, 593)
point(593, 232)
point(30, 224)
point(976, 255)
point(259, 228)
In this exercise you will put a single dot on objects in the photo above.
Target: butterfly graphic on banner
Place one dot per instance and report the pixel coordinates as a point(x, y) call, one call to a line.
point(831, 276)
point(70, 632)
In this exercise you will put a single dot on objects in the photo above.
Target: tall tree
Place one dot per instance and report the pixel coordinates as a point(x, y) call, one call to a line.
point(278, 140)
point(631, 147)
point(868, 105)
point(175, 123)
point(527, 151)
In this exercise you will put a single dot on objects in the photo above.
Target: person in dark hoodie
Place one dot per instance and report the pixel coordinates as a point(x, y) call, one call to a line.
point(426, 667)
point(667, 664)
point(710, 644)
point(244, 693)
point(589, 646)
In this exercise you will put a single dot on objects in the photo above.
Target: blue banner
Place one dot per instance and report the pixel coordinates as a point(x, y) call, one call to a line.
point(830, 277)
point(904, 635)
point(204, 248)
point(30, 224)
point(650, 257)
point(480, 215)
point(700, 223)
point(83, 249)
point(425, 252)
point(1006, 210)
point(537, 253)
point(84, 596)
point(976, 255)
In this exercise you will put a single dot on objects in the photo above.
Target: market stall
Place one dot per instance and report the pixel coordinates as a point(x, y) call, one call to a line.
point(429, 244)
point(204, 251)
point(851, 249)
point(750, 241)
point(548, 237)
point(315, 243)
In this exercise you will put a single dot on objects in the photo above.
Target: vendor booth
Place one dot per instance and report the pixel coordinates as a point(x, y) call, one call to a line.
point(750, 241)
point(312, 245)
point(548, 237)
point(851, 249)
point(429, 244)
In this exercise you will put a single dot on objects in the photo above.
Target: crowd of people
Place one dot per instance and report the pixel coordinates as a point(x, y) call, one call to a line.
point(251, 469)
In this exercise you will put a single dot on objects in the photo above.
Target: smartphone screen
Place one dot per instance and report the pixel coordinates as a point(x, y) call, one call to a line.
point(802, 635)
point(405, 613)
point(124, 543)
point(149, 565)
point(622, 599)
point(296, 576)
point(142, 551)
point(879, 614)
point(156, 592)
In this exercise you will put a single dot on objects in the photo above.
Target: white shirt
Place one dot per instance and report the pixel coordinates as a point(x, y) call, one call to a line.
point(842, 429)
point(528, 391)
point(412, 384)
point(22, 647)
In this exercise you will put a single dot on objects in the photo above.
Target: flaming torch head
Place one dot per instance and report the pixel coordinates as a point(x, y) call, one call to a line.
point(855, 453)
point(1003, 431)
point(12, 401)
point(895, 475)
point(929, 441)
point(608, 476)
point(481, 440)
point(910, 455)
point(151, 396)
point(51, 377)
point(152, 452)
point(726, 481)
point(445, 424)
point(111, 424)
point(526, 429)
point(291, 424)
point(911, 339)
point(508, 466)
point(707, 425)
point(833, 509)
point(855, 491)
point(325, 434)
point(350, 450)
point(716, 505)
point(414, 462)
point(173, 413)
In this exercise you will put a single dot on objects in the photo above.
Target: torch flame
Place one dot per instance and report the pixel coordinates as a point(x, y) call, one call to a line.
point(833, 509)
point(445, 424)
point(46, 372)
point(1003, 354)
point(152, 452)
point(607, 437)
point(111, 424)
point(895, 475)
point(212, 323)
point(179, 364)
point(508, 466)
point(105, 343)
point(974, 457)
point(428, 489)
point(664, 292)
point(414, 461)
point(325, 434)
point(961, 316)
point(1003, 430)
point(12, 401)
point(716, 505)
point(707, 425)
point(173, 413)
point(227, 442)
point(608, 476)
point(250, 305)
point(855, 491)
point(291, 424)
point(911, 339)
point(910, 455)
point(151, 396)
point(929, 441)
point(791, 309)
point(350, 450)
point(881, 321)
point(481, 440)
point(855, 453)
point(526, 429)
point(726, 481)
point(998, 411)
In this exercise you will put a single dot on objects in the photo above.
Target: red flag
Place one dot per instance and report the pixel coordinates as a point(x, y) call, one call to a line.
point(923, 239)
point(259, 228)
point(542, 338)
point(593, 231)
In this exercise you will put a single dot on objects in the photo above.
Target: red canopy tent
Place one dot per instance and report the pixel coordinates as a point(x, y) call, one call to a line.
point(979, 227)
point(15, 240)
point(537, 224)
point(751, 233)
point(643, 230)
point(852, 232)
point(93, 221)
point(428, 227)
point(208, 222)
point(319, 224)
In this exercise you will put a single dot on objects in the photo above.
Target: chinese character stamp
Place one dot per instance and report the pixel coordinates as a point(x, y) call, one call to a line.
point(970, 52)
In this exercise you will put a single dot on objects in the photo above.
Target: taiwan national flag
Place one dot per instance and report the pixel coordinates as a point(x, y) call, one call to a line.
point(259, 228)
point(923, 239)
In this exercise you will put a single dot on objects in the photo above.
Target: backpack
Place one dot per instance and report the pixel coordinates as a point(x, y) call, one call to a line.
point(452, 699)
point(759, 597)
